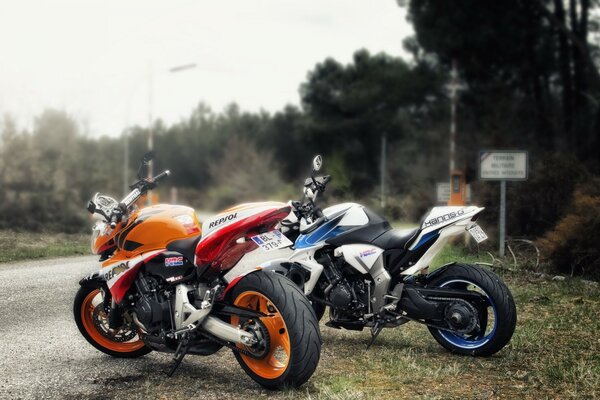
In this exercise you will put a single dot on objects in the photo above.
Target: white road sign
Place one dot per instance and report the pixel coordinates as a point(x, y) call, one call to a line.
point(442, 190)
point(503, 165)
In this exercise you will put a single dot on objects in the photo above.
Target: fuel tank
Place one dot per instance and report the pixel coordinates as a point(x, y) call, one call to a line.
point(346, 223)
point(151, 228)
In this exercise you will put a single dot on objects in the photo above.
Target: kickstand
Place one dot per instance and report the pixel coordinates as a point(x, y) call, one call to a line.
point(375, 332)
point(181, 351)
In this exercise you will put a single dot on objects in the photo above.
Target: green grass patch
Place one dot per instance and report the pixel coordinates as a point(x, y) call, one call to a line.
point(457, 254)
point(16, 246)
point(554, 353)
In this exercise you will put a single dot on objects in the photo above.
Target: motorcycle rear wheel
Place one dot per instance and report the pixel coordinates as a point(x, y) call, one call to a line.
point(294, 339)
point(501, 311)
point(91, 321)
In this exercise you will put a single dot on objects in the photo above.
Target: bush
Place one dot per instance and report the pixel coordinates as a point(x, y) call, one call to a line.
point(573, 245)
point(245, 174)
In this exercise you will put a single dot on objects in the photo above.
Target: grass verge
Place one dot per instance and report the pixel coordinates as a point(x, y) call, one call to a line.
point(554, 353)
point(16, 246)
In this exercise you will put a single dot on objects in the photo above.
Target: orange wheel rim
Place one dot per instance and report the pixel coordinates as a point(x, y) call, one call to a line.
point(87, 317)
point(274, 364)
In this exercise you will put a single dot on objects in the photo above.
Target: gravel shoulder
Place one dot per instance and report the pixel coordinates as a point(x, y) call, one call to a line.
point(43, 356)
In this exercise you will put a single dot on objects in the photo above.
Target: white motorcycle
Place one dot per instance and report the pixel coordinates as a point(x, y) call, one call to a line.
point(349, 258)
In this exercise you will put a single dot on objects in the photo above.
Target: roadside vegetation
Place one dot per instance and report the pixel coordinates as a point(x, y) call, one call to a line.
point(17, 246)
point(538, 90)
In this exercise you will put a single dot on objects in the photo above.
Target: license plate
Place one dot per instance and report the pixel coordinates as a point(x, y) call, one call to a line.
point(270, 241)
point(477, 233)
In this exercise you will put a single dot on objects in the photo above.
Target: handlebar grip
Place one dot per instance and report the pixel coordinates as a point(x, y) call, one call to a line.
point(160, 176)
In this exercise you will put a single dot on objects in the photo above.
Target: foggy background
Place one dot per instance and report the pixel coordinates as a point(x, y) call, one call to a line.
point(275, 82)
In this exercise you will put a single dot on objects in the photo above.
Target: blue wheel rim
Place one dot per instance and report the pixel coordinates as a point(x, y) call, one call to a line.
point(470, 343)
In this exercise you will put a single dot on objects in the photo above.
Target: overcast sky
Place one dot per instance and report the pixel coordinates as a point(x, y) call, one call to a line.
point(92, 58)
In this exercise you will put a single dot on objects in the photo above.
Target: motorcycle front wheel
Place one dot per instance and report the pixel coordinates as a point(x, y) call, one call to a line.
point(291, 341)
point(495, 323)
point(92, 321)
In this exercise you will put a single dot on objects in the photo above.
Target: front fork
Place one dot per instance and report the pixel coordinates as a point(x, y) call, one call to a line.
point(115, 314)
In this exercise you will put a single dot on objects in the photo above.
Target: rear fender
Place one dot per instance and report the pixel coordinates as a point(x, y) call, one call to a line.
point(431, 276)
point(237, 280)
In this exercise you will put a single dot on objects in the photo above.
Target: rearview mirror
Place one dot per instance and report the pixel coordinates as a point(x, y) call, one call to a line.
point(146, 158)
point(91, 207)
point(317, 163)
point(143, 170)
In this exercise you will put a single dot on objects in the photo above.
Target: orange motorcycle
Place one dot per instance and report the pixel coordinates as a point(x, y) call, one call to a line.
point(162, 287)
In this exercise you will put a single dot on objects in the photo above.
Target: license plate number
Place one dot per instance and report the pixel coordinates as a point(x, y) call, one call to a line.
point(270, 241)
point(477, 233)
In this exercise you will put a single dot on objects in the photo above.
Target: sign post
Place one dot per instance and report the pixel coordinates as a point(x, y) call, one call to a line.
point(502, 165)
point(502, 222)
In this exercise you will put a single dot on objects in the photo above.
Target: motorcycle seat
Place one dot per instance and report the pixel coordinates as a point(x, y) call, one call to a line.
point(185, 247)
point(396, 239)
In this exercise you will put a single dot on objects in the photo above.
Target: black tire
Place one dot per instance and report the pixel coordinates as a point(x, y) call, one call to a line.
point(119, 351)
point(503, 304)
point(301, 323)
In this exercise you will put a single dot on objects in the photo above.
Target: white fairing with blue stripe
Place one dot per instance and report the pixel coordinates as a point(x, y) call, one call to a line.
point(441, 223)
point(340, 218)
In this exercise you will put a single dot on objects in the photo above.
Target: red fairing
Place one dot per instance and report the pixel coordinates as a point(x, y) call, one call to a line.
point(221, 251)
point(122, 281)
point(122, 285)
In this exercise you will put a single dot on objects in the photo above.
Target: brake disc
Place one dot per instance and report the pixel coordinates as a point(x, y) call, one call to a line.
point(122, 334)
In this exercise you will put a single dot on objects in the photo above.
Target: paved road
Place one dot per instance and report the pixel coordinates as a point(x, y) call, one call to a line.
point(42, 354)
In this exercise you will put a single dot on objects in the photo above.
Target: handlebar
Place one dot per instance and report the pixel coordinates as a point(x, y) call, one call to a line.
point(161, 176)
point(308, 209)
point(138, 189)
point(141, 187)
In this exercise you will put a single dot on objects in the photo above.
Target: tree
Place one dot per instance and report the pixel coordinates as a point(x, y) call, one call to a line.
point(535, 52)
point(348, 108)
